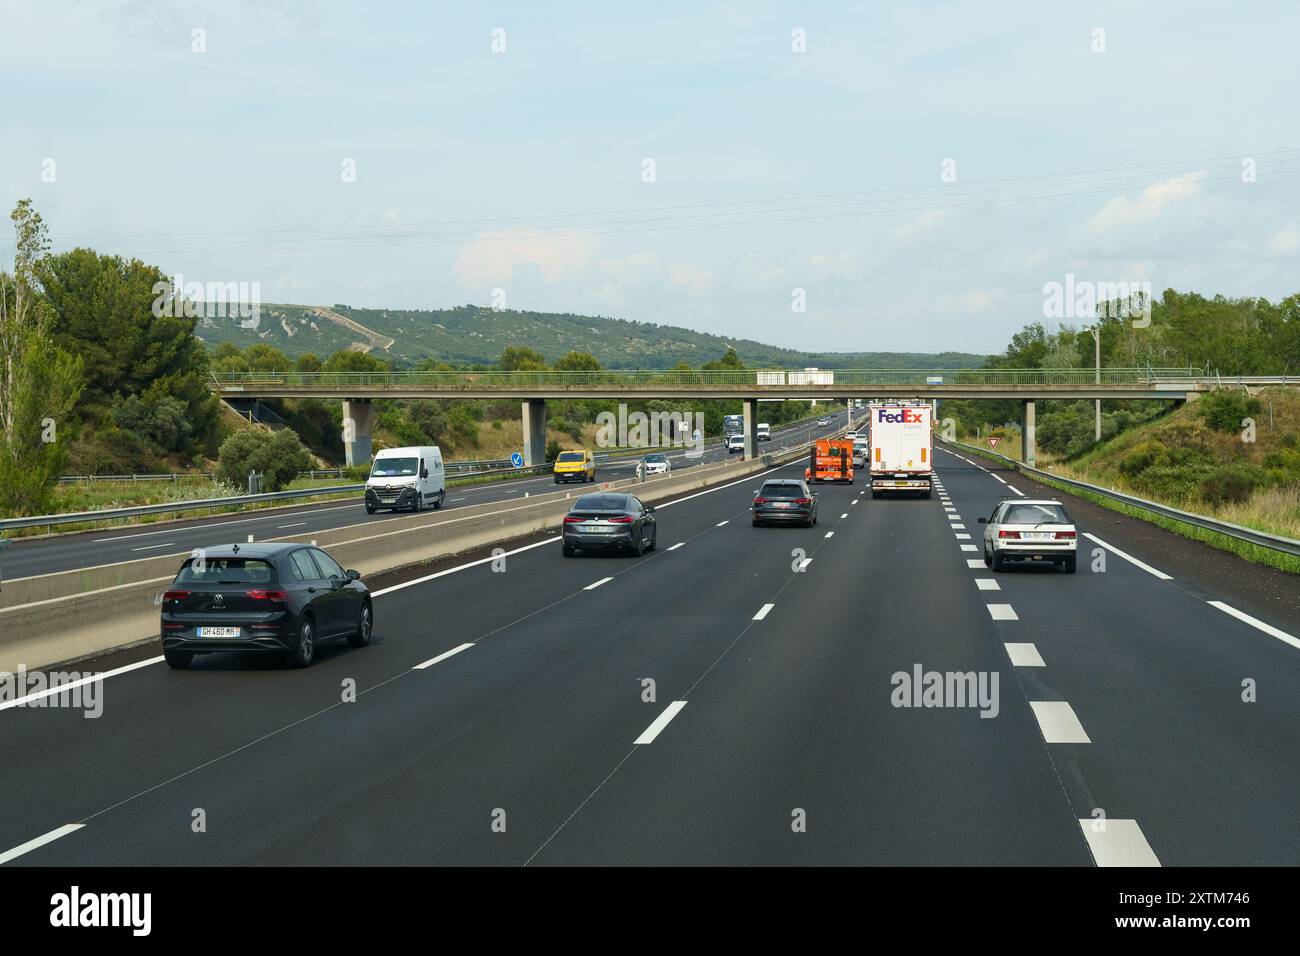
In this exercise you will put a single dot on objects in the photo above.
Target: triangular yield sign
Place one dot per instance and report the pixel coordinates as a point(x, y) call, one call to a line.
point(993, 442)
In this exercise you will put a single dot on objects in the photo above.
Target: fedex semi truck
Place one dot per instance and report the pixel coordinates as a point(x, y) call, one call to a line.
point(901, 452)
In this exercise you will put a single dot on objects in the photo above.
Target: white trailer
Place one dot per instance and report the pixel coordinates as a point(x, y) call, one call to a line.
point(901, 450)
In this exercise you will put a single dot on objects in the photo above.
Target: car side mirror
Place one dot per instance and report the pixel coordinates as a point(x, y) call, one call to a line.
point(982, 520)
point(354, 575)
point(649, 509)
point(424, 472)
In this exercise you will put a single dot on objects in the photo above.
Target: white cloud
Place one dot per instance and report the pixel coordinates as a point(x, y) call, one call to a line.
point(977, 300)
point(1121, 212)
point(927, 222)
point(1285, 241)
point(691, 277)
point(494, 260)
point(292, 283)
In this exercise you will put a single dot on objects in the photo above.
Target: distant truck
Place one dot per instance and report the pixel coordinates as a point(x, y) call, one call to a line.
point(764, 431)
point(831, 460)
point(733, 425)
point(900, 448)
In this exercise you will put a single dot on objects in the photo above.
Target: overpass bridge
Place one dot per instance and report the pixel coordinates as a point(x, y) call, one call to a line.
point(358, 390)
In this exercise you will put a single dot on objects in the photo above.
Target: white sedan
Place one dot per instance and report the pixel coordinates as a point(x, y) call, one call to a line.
point(656, 464)
point(1026, 529)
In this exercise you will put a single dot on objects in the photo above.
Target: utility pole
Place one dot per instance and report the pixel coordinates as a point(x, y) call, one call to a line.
point(1096, 335)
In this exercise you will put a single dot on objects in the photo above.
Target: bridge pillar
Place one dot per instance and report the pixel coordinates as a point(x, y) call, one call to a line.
point(750, 410)
point(358, 424)
point(534, 420)
point(1028, 446)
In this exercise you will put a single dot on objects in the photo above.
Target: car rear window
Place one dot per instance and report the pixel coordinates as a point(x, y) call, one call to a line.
point(601, 503)
point(1036, 514)
point(571, 456)
point(781, 491)
point(225, 571)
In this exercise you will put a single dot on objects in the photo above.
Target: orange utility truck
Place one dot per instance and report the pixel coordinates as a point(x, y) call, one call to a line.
point(831, 460)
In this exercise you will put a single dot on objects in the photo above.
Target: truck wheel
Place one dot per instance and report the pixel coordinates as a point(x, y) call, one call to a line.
point(442, 496)
point(369, 510)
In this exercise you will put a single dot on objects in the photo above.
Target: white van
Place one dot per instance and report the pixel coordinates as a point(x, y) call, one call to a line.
point(406, 478)
point(764, 431)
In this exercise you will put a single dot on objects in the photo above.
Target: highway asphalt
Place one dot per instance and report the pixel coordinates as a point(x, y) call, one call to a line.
point(772, 731)
point(29, 557)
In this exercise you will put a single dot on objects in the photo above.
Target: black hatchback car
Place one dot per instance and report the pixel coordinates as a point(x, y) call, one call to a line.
point(279, 598)
point(610, 521)
point(785, 500)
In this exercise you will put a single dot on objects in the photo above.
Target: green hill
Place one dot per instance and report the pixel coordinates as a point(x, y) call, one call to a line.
point(472, 334)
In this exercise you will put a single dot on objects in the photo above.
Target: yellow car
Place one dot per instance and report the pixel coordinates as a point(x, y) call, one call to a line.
point(574, 466)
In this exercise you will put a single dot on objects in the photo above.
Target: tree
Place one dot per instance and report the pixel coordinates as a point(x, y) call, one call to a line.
point(276, 456)
point(520, 358)
point(39, 382)
point(578, 362)
point(160, 418)
point(347, 360)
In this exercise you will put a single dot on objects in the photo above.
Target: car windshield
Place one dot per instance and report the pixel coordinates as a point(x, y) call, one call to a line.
point(393, 467)
point(781, 491)
point(1036, 514)
point(571, 456)
point(655, 459)
point(225, 571)
point(601, 503)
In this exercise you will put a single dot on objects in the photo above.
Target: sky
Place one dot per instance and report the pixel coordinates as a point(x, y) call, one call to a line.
point(831, 176)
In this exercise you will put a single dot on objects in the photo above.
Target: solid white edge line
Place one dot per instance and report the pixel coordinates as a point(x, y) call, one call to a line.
point(40, 841)
point(596, 584)
point(762, 611)
point(1256, 623)
point(1128, 557)
point(650, 733)
point(78, 683)
point(442, 657)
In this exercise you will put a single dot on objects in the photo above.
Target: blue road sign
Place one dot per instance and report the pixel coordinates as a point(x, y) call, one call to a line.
point(517, 460)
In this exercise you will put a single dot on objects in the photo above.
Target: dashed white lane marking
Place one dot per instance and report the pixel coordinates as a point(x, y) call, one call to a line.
point(845, 515)
point(985, 584)
point(1058, 723)
point(1024, 655)
point(296, 524)
point(969, 547)
point(958, 527)
point(596, 584)
point(1015, 489)
point(974, 563)
point(854, 501)
point(220, 524)
point(995, 476)
point(443, 656)
point(803, 565)
point(1003, 612)
point(962, 536)
point(762, 611)
point(677, 545)
point(1118, 843)
point(1256, 623)
point(150, 547)
point(650, 733)
point(40, 841)
point(721, 523)
point(830, 534)
point(1128, 557)
point(462, 567)
point(50, 691)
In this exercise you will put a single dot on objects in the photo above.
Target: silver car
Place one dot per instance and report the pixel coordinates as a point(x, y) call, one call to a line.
point(1024, 529)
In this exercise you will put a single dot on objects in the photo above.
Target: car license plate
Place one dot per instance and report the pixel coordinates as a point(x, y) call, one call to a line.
point(599, 529)
point(218, 632)
point(1037, 535)
point(781, 504)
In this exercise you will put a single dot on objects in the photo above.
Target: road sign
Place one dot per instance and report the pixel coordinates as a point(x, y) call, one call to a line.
point(517, 459)
point(993, 442)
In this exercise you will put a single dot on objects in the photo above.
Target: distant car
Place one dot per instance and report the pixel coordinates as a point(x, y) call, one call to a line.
point(276, 598)
point(736, 443)
point(785, 500)
point(656, 463)
point(823, 421)
point(850, 436)
point(764, 432)
point(609, 521)
point(1025, 529)
point(574, 466)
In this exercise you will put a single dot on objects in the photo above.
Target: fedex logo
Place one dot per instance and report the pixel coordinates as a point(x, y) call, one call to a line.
point(908, 416)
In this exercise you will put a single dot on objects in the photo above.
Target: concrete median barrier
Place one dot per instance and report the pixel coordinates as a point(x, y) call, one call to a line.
point(60, 617)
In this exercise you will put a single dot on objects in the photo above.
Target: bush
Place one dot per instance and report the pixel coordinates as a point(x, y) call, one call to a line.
point(1142, 457)
point(276, 456)
point(1224, 408)
point(1231, 483)
point(552, 450)
point(163, 420)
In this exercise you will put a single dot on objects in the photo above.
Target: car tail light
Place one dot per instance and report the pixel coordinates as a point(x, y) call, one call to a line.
point(1009, 534)
point(803, 501)
point(621, 519)
point(1069, 535)
point(259, 595)
point(574, 519)
point(174, 627)
point(175, 595)
point(760, 501)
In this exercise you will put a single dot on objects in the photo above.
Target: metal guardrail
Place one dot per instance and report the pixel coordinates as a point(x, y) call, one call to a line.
point(1262, 539)
point(834, 377)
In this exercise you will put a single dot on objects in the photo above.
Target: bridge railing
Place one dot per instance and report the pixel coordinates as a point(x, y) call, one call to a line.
point(756, 377)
